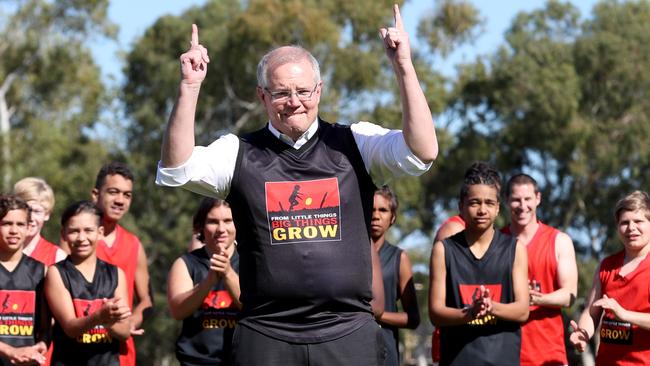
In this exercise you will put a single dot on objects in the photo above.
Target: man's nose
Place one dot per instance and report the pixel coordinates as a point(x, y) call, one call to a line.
point(293, 99)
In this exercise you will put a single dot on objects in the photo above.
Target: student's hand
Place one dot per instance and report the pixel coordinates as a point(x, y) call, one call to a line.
point(611, 305)
point(536, 297)
point(487, 301)
point(26, 356)
point(578, 337)
point(40, 348)
point(136, 331)
point(220, 264)
point(481, 304)
point(194, 62)
point(114, 310)
point(396, 41)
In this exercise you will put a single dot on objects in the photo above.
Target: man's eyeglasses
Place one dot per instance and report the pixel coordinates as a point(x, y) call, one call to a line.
point(282, 96)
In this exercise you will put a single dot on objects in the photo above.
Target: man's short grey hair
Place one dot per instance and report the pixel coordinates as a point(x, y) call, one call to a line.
point(284, 55)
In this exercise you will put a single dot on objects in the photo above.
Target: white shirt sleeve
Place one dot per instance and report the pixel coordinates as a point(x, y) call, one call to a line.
point(385, 153)
point(209, 171)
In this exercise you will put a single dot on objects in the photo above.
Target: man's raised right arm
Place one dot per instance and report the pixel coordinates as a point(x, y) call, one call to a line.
point(178, 141)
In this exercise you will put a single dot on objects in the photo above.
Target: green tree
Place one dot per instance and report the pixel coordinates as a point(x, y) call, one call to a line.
point(51, 95)
point(565, 100)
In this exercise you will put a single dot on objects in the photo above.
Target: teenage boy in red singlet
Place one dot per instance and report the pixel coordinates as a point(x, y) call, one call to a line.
point(40, 198)
point(619, 301)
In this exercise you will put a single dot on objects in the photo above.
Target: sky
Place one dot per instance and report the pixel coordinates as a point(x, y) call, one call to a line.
point(134, 17)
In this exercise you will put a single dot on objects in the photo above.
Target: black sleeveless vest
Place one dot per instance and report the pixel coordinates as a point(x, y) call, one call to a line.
point(390, 256)
point(206, 335)
point(303, 222)
point(486, 341)
point(95, 346)
point(21, 292)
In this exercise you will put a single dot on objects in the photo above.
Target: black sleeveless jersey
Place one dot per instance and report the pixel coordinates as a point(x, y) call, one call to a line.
point(206, 335)
point(303, 223)
point(389, 255)
point(95, 346)
point(485, 341)
point(21, 292)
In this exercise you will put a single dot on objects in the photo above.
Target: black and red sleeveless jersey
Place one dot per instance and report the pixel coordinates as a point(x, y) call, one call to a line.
point(95, 346)
point(303, 222)
point(206, 335)
point(488, 340)
point(21, 292)
point(389, 256)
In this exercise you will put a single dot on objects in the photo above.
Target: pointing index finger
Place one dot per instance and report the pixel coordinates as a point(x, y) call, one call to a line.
point(195, 36)
point(398, 17)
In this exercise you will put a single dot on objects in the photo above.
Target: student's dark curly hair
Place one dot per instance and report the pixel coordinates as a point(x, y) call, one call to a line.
point(10, 202)
point(480, 173)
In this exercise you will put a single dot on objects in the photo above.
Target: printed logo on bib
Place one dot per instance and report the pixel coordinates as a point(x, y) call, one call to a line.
point(217, 300)
point(17, 313)
point(303, 211)
point(98, 334)
point(616, 332)
point(217, 312)
point(469, 293)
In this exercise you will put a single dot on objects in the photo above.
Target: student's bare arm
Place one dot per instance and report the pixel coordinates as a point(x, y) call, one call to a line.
point(589, 319)
point(121, 329)
point(183, 297)
point(62, 307)
point(439, 313)
point(516, 311)
point(141, 292)
point(567, 276)
point(448, 229)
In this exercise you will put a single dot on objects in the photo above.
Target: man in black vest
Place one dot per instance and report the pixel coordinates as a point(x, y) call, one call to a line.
point(301, 192)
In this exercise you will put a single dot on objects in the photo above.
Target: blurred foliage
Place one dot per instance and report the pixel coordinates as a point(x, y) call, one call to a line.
point(51, 96)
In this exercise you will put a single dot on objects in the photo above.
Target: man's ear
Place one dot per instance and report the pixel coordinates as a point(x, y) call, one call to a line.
point(260, 94)
point(94, 195)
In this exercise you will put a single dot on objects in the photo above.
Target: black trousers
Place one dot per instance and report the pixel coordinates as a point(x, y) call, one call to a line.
point(363, 347)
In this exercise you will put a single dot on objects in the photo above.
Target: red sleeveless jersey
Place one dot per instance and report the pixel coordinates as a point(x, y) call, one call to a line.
point(542, 340)
point(124, 254)
point(44, 252)
point(623, 343)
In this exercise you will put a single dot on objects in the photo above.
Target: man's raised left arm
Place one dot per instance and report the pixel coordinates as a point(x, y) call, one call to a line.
point(417, 123)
